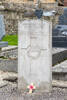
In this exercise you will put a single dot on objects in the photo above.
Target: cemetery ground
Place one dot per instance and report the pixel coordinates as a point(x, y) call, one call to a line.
point(8, 80)
point(9, 90)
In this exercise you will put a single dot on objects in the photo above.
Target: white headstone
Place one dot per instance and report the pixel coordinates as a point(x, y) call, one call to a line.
point(34, 51)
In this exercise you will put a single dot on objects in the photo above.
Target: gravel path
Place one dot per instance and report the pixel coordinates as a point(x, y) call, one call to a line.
point(11, 92)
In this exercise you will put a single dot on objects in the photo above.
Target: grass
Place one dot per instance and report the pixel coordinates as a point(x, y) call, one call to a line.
point(12, 39)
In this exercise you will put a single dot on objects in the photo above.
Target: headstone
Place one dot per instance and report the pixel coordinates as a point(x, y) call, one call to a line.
point(2, 27)
point(2, 32)
point(34, 51)
point(59, 36)
point(63, 18)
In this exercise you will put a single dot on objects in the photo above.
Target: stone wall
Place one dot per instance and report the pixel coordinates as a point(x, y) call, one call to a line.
point(11, 26)
point(13, 12)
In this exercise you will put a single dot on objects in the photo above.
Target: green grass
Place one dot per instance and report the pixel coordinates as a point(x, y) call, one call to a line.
point(12, 39)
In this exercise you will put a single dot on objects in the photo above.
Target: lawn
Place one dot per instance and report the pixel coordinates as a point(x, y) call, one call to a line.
point(12, 39)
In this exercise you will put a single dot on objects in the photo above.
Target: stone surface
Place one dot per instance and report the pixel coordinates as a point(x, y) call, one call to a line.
point(63, 17)
point(2, 32)
point(3, 83)
point(3, 44)
point(59, 55)
point(57, 50)
point(60, 68)
point(14, 11)
point(9, 65)
point(7, 75)
point(10, 47)
point(11, 79)
point(59, 83)
point(2, 27)
point(35, 58)
point(10, 52)
point(60, 71)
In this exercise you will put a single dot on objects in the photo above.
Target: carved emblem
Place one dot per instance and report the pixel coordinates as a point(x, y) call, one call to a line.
point(34, 52)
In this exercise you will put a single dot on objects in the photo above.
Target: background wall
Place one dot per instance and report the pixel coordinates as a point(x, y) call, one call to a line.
point(13, 12)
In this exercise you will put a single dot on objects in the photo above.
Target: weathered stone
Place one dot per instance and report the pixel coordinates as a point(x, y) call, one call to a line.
point(3, 83)
point(15, 11)
point(62, 84)
point(9, 65)
point(11, 79)
point(2, 27)
point(29, 14)
point(35, 58)
point(60, 68)
point(60, 71)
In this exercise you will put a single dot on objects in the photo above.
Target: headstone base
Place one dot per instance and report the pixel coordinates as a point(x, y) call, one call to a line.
point(43, 87)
